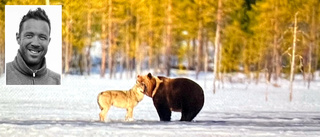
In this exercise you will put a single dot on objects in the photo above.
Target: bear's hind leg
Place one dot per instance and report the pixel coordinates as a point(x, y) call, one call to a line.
point(192, 106)
point(188, 114)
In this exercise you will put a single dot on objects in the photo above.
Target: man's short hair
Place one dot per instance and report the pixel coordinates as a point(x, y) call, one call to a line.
point(38, 14)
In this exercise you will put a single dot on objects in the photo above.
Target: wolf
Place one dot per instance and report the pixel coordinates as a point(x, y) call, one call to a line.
point(121, 99)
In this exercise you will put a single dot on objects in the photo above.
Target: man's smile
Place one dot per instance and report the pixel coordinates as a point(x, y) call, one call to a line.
point(34, 52)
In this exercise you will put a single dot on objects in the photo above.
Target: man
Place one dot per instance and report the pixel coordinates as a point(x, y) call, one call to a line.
point(29, 66)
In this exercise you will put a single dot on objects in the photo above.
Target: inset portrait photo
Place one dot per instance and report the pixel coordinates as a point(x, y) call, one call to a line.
point(33, 44)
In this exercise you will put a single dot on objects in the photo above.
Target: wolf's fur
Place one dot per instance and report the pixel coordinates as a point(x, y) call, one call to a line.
point(122, 99)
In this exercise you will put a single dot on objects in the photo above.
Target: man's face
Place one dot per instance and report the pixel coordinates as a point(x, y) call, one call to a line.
point(34, 40)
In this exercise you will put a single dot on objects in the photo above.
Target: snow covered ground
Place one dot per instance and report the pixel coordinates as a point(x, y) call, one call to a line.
point(237, 109)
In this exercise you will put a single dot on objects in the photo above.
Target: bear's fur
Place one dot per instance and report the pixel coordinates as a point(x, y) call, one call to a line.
point(179, 94)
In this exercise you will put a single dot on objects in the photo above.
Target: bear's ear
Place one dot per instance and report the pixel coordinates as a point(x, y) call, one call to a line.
point(149, 76)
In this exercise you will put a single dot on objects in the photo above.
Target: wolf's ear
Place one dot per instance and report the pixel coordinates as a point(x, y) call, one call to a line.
point(149, 76)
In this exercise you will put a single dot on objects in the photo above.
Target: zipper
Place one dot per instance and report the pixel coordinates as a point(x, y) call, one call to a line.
point(34, 76)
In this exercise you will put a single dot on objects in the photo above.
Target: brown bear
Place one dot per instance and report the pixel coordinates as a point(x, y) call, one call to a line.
point(178, 94)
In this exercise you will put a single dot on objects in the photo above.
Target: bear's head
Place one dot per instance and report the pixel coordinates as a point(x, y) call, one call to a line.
point(149, 81)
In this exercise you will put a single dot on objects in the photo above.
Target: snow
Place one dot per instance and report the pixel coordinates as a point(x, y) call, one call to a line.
point(236, 109)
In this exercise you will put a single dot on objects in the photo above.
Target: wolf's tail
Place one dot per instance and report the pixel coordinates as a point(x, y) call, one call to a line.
point(98, 98)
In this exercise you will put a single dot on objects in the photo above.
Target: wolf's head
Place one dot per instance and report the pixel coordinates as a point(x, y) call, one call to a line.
point(140, 87)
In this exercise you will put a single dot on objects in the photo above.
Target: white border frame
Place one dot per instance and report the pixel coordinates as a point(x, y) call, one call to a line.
point(13, 16)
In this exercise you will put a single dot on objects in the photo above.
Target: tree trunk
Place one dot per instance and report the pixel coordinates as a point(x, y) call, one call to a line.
point(85, 60)
point(217, 47)
point(68, 46)
point(138, 53)
point(103, 46)
point(189, 54)
point(2, 52)
point(157, 63)
point(276, 56)
point(150, 39)
point(316, 59)
point(275, 61)
point(206, 58)
point(313, 39)
point(87, 49)
point(127, 49)
point(193, 53)
point(127, 43)
point(110, 40)
point(168, 38)
point(293, 55)
point(122, 57)
point(200, 41)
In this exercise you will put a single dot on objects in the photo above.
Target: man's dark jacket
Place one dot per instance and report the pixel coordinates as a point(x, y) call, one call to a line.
point(18, 73)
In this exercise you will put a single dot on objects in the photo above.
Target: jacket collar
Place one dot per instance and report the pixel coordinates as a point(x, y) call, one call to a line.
point(22, 67)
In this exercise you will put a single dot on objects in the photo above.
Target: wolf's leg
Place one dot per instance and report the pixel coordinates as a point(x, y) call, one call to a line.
point(129, 114)
point(103, 113)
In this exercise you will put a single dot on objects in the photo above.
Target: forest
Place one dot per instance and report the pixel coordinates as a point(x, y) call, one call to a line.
point(252, 37)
